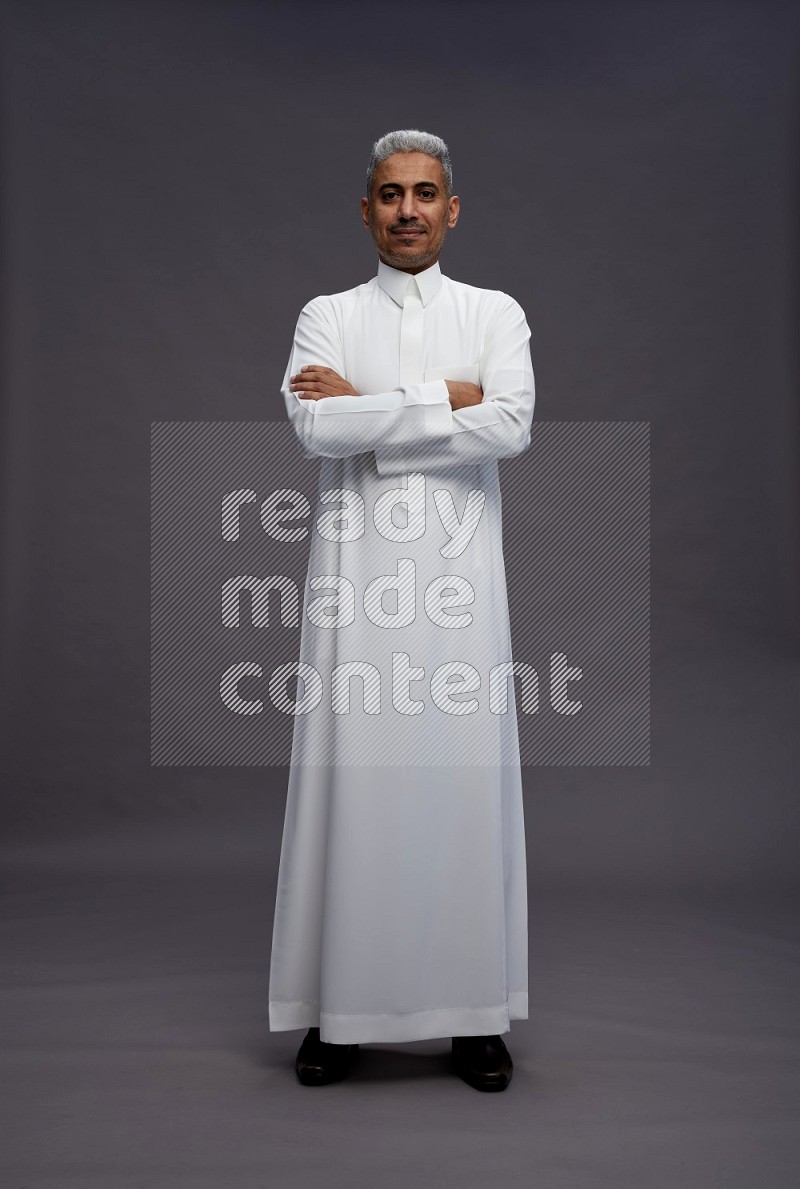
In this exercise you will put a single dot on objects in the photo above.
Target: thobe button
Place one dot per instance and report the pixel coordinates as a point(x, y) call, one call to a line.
point(411, 371)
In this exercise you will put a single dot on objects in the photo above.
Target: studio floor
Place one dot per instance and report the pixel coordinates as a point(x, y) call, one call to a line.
point(662, 1047)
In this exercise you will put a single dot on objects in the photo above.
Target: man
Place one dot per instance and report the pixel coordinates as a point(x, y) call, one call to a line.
point(401, 909)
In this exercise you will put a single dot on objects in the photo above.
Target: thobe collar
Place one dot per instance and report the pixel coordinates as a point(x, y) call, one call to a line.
point(395, 282)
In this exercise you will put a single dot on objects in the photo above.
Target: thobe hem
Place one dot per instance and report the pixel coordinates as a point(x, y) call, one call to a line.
point(337, 1028)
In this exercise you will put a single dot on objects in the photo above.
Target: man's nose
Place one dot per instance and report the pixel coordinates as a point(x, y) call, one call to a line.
point(408, 206)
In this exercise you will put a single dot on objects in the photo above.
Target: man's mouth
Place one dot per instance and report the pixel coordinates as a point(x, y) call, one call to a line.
point(408, 231)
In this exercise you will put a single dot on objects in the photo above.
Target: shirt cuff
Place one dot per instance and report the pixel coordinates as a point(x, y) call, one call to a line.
point(437, 423)
point(438, 414)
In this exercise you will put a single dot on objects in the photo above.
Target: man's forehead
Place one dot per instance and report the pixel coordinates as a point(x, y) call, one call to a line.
point(409, 169)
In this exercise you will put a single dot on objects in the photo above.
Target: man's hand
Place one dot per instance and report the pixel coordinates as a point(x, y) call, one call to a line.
point(314, 382)
point(463, 394)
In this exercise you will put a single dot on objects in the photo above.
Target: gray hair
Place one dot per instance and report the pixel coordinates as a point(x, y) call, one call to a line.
point(410, 140)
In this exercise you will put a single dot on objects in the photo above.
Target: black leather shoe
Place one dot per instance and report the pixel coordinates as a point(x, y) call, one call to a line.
point(482, 1061)
point(319, 1062)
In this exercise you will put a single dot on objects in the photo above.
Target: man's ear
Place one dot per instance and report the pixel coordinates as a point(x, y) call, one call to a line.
point(455, 209)
point(365, 212)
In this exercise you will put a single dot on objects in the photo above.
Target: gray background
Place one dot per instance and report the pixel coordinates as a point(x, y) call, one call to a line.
point(178, 180)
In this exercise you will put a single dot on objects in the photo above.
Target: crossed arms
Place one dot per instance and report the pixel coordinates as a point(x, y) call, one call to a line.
point(314, 382)
point(434, 424)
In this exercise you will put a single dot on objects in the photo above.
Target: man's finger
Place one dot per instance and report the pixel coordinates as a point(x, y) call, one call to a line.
point(320, 386)
point(313, 370)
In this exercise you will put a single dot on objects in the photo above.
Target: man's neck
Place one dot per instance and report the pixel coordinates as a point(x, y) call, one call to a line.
point(414, 270)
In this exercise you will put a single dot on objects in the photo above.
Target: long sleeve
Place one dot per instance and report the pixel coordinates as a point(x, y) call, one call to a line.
point(338, 426)
point(499, 427)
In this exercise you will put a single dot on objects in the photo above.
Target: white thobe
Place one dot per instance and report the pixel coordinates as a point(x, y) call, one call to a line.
point(401, 907)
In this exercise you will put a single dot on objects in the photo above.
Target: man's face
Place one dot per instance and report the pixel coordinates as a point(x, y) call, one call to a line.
point(407, 213)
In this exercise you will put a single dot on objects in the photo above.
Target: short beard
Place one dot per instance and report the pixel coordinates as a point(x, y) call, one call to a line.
point(424, 257)
point(400, 261)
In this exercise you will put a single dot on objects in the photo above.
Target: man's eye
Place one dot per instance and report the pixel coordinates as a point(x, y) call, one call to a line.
point(427, 193)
